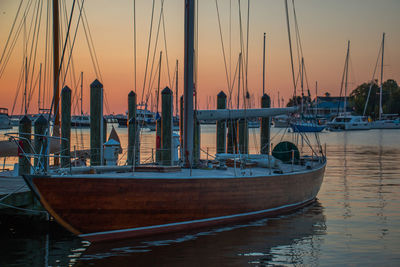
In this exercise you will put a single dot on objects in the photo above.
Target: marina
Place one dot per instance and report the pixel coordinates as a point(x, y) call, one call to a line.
point(139, 161)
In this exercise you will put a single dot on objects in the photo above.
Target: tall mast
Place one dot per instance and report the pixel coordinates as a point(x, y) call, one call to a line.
point(81, 93)
point(159, 77)
point(56, 64)
point(40, 83)
point(26, 84)
point(176, 91)
point(264, 66)
point(302, 84)
point(238, 95)
point(346, 73)
point(188, 83)
point(380, 89)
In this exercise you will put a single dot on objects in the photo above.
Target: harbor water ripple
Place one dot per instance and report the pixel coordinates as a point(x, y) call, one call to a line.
point(355, 222)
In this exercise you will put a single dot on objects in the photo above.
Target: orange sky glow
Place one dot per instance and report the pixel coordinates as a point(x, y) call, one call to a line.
point(324, 26)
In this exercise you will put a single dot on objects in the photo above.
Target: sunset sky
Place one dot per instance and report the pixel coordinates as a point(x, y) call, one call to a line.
point(325, 27)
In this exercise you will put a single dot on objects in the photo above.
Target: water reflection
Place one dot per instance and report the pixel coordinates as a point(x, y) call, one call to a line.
point(355, 222)
point(260, 243)
point(30, 243)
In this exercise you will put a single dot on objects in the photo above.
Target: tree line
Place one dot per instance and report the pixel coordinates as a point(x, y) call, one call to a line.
point(390, 98)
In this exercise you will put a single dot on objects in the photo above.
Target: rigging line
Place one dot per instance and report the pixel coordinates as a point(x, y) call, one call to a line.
point(290, 49)
point(88, 41)
point(73, 42)
point(71, 73)
point(156, 43)
point(166, 50)
point(32, 25)
point(148, 51)
point(230, 43)
point(372, 80)
point(241, 50)
point(11, 31)
point(230, 102)
point(222, 44)
point(247, 49)
point(93, 54)
point(134, 42)
point(298, 40)
point(56, 105)
point(15, 39)
point(46, 77)
point(342, 82)
point(37, 31)
point(98, 71)
point(21, 75)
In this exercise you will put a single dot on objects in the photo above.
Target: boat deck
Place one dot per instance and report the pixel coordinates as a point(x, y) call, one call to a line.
point(184, 173)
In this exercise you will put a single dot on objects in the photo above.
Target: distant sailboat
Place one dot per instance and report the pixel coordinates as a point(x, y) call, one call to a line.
point(345, 121)
point(384, 121)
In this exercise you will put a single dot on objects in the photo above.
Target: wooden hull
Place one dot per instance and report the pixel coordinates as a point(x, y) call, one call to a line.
point(104, 208)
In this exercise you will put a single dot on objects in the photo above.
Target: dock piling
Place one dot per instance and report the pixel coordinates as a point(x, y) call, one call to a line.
point(40, 143)
point(265, 126)
point(65, 127)
point(131, 127)
point(25, 130)
point(166, 126)
point(221, 124)
point(96, 115)
point(243, 136)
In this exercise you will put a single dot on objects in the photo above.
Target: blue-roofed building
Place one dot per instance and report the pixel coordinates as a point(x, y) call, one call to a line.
point(329, 106)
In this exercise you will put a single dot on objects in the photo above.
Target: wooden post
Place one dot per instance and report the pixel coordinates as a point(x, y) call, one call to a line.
point(231, 146)
point(96, 90)
point(243, 136)
point(131, 126)
point(265, 126)
point(166, 126)
point(221, 124)
point(40, 143)
point(24, 129)
point(65, 127)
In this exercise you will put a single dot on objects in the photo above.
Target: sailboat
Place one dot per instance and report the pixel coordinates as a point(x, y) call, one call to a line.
point(147, 200)
point(384, 121)
point(346, 121)
point(302, 125)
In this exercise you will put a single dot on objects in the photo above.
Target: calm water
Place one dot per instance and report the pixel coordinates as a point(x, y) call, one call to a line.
point(355, 222)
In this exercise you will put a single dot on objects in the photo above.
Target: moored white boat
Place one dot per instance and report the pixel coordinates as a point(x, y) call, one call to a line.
point(349, 122)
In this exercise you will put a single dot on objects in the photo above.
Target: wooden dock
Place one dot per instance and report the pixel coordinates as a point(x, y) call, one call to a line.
point(17, 199)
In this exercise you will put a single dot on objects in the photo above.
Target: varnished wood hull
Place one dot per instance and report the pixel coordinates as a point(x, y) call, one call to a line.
point(111, 208)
